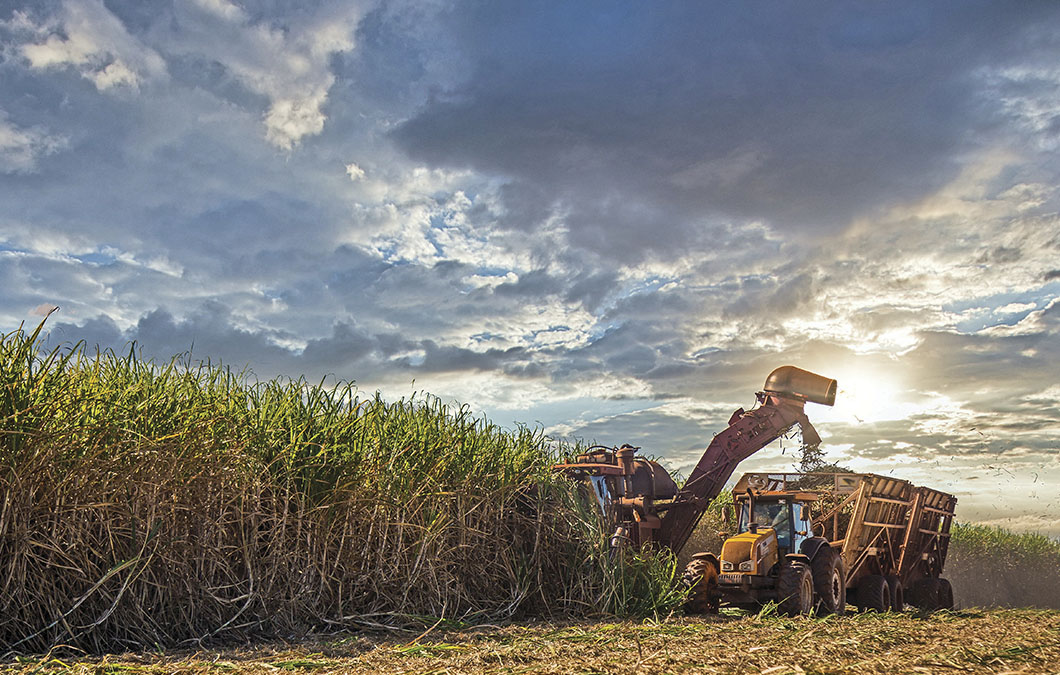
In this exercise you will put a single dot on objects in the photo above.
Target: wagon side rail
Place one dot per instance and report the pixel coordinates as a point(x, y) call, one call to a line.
point(927, 539)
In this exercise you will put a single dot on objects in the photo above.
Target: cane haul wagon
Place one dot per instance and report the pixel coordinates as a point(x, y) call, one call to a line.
point(823, 539)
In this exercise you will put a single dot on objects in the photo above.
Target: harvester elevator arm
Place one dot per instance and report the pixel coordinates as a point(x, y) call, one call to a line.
point(786, 391)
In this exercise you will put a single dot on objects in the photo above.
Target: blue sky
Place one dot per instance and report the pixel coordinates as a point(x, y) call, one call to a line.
point(611, 219)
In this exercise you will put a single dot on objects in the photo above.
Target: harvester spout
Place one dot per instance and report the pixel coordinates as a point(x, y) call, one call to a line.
point(792, 382)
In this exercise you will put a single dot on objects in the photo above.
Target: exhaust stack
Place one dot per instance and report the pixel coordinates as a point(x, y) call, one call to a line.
point(793, 382)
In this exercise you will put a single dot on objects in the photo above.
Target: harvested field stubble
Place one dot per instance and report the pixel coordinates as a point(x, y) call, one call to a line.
point(996, 641)
point(145, 505)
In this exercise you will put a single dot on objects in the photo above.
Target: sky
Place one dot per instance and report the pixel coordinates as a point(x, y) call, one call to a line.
point(610, 220)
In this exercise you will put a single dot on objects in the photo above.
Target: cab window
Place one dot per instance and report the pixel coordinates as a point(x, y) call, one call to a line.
point(776, 515)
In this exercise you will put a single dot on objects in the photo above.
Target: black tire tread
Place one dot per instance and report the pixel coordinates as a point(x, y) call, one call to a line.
point(945, 594)
point(897, 593)
point(823, 566)
point(790, 587)
point(874, 594)
point(926, 594)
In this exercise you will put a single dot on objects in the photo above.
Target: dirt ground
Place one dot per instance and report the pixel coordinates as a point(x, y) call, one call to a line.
point(994, 641)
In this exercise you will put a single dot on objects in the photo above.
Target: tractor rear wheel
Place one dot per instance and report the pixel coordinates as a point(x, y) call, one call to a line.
point(897, 593)
point(874, 594)
point(701, 578)
point(795, 589)
point(945, 594)
point(829, 581)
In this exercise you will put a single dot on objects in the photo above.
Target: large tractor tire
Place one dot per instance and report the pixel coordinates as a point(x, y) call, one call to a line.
point(925, 594)
point(795, 589)
point(701, 577)
point(894, 584)
point(874, 594)
point(829, 581)
point(945, 594)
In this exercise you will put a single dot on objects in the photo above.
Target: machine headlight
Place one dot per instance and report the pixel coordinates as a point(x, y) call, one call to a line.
point(726, 566)
point(747, 566)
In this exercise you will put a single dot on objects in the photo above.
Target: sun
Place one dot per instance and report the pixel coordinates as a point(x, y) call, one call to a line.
point(867, 396)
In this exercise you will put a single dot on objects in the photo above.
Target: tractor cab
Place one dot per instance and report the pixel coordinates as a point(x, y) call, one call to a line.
point(769, 527)
point(788, 518)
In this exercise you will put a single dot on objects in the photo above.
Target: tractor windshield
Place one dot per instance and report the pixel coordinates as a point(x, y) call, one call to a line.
point(776, 515)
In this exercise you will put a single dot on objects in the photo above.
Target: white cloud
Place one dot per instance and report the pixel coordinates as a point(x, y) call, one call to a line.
point(21, 147)
point(222, 9)
point(421, 215)
point(158, 263)
point(355, 172)
point(288, 63)
point(1015, 308)
point(1033, 323)
point(86, 36)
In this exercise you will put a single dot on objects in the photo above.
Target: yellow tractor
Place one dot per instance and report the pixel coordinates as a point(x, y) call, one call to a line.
point(773, 557)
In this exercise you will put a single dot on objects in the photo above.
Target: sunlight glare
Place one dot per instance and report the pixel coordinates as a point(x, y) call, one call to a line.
point(867, 396)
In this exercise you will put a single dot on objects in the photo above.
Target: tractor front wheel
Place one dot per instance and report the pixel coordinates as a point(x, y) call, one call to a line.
point(795, 589)
point(701, 578)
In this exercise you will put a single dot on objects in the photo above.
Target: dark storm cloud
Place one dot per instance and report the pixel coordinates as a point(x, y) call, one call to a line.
point(207, 334)
point(639, 119)
point(773, 297)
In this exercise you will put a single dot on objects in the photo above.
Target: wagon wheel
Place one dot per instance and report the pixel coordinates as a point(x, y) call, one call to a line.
point(927, 592)
point(945, 594)
point(874, 593)
point(897, 593)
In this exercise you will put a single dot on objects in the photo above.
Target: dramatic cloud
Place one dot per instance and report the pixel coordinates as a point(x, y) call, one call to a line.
point(679, 116)
point(286, 62)
point(609, 219)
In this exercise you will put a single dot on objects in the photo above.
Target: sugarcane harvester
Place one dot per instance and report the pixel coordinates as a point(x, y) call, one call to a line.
point(647, 509)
